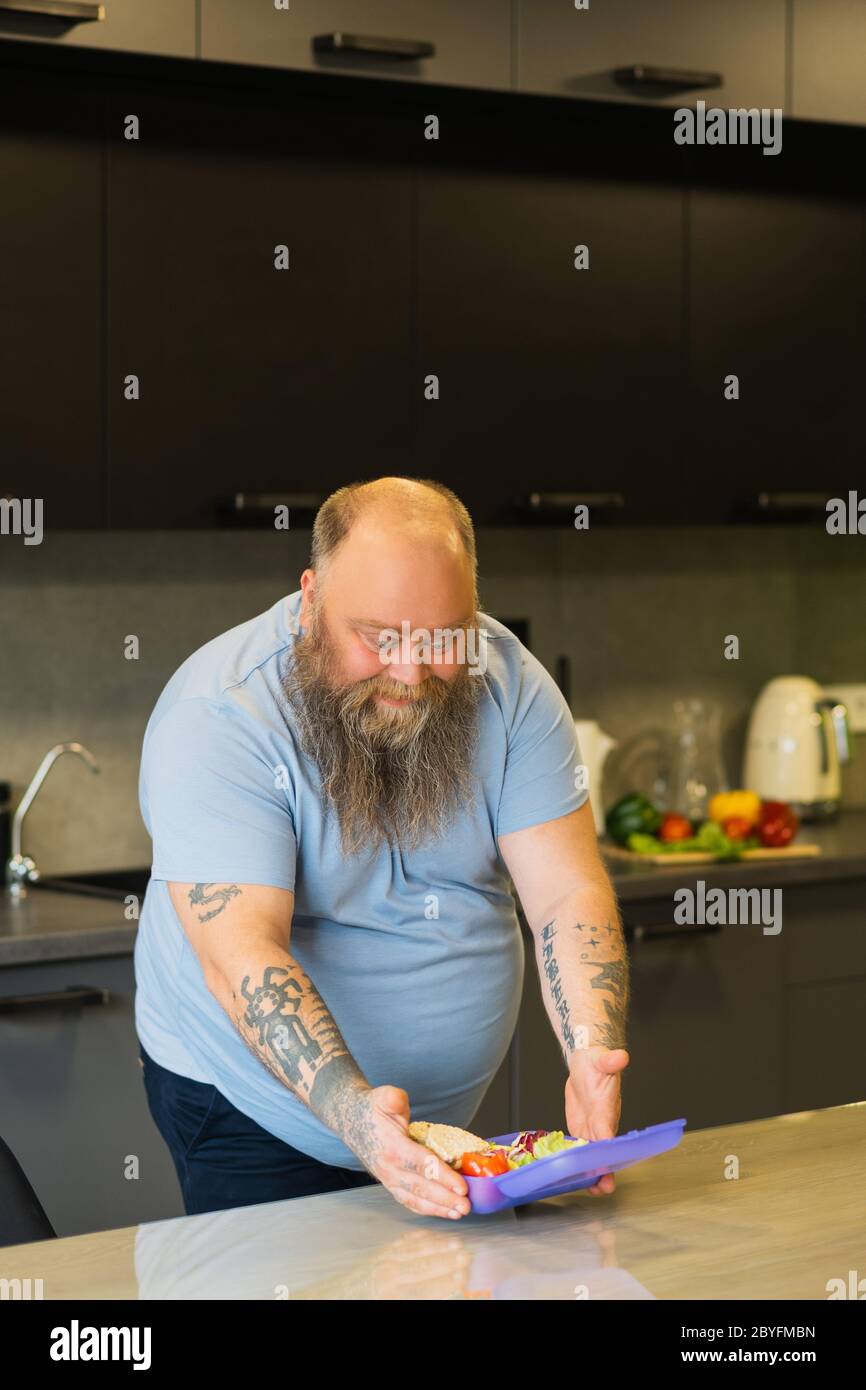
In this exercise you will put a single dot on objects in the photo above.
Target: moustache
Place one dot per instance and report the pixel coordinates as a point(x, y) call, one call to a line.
point(433, 690)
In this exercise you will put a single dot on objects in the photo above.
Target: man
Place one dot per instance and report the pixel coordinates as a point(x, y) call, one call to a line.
point(329, 935)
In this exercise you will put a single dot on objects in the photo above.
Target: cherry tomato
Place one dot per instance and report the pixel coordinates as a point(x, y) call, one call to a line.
point(484, 1165)
point(674, 828)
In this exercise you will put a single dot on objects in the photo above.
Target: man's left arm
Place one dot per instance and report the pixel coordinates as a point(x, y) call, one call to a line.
point(569, 903)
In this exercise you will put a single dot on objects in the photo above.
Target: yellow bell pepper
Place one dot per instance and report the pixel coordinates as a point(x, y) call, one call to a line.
point(744, 805)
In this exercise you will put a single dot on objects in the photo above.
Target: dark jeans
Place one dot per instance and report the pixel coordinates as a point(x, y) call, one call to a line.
point(223, 1159)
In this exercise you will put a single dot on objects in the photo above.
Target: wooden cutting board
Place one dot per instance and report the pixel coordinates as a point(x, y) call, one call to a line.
point(705, 857)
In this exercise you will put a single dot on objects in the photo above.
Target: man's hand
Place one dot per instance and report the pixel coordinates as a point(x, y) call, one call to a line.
point(593, 1101)
point(377, 1131)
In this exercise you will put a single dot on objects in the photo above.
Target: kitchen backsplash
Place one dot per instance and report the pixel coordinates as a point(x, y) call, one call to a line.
point(641, 617)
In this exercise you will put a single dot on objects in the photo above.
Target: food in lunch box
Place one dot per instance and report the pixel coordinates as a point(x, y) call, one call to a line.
point(480, 1158)
point(531, 1144)
point(446, 1141)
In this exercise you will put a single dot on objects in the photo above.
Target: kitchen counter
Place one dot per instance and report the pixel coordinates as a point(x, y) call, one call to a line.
point(843, 845)
point(48, 925)
point(675, 1227)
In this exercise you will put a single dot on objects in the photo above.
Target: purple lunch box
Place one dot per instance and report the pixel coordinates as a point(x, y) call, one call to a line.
point(571, 1169)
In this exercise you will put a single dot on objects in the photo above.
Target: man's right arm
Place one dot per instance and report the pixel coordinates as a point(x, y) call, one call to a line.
point(241, 935)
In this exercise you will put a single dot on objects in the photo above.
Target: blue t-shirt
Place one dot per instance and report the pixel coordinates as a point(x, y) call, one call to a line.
point(418, 955)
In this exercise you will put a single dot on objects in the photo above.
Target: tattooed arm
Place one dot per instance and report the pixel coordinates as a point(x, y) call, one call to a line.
point(241, 935)
point(571, 909)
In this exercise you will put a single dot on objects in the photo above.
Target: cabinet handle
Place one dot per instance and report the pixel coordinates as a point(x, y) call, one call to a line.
point(559, 506)
point(266, 501)
point(55, 9)
point(26, 1003)
point(567, 501)
point(367, 47)
point(636, 932)
point(643, 75)
point(792, 502)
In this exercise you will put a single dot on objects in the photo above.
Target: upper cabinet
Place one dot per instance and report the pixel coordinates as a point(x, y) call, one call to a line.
point(793, 339)
point(51, 301)
point(670, 54)
point(532, 383)
point(165, 27)
point(466, 44)
point(258, 307)
point(829, 70)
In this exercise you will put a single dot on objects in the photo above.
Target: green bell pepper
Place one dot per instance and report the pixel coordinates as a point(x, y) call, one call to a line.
point(632, 815)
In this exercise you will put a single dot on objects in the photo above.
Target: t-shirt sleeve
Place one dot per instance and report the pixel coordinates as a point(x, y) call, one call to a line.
point(218, 808)
point(541, 779)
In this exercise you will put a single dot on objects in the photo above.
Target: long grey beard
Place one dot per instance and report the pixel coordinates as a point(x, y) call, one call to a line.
point(393, 777)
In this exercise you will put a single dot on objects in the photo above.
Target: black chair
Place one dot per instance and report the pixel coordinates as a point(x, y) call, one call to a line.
point(22, 1216)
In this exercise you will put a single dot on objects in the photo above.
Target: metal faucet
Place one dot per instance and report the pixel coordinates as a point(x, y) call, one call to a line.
point(20, 869)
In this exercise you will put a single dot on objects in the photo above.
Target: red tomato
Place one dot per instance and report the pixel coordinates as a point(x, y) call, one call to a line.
point(777, 824)
point(674, 828)
point(737, 827)
point(484, 1165)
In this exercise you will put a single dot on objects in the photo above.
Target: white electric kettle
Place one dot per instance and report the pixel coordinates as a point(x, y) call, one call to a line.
point(796, 742)
point(594, 745)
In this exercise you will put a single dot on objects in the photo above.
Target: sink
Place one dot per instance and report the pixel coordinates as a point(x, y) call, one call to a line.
point(99, 883)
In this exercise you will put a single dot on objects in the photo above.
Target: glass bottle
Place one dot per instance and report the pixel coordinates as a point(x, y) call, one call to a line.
point(696, 769)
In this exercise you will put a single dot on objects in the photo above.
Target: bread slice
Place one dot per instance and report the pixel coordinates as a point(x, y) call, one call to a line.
point(447, 1141)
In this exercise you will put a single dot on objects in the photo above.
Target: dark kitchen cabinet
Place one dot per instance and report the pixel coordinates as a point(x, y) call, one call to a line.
point(578, 53)
point(140, 26)
point(51, 397)
point(73, 1107)
point(777, 296)
point(705, 1034)
point(412, 260)
point(471, 42)
point(551, 378)
point(253, 379)
point(825, 1026)
point(829, 44)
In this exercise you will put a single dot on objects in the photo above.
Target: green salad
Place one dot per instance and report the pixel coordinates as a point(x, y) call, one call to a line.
point(538, 1143)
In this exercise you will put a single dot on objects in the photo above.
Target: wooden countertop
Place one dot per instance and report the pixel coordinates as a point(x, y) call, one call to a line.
point(676, 1227)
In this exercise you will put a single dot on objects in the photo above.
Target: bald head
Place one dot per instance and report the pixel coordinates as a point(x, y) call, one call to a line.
point(415, 510)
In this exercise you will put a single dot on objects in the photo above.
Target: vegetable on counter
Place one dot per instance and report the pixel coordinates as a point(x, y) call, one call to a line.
point(648, 844)
point(777, 825)
point(742, 805)
point(675, 828)
point(738, 821)
point(710, 838)
point(736, 827)
point(632, 815)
